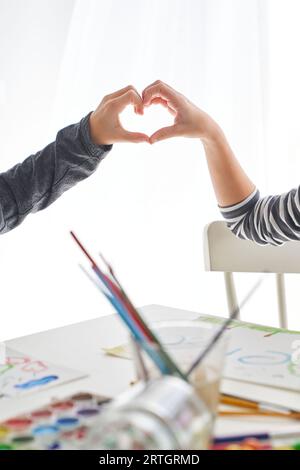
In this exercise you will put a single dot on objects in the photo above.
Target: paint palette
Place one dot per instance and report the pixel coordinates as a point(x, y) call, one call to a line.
point(62, 424)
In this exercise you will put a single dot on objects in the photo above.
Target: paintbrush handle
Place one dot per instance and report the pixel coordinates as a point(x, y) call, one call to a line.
point(228, 400)
point(254, 405)
point(276, 414)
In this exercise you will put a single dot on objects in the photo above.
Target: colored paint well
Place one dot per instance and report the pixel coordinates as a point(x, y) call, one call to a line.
point(54, 446)
point(3, 431)
point(18, 423)
point(88, 412)
point(22, 441)
point(63, 405)
point(76, 434)
point(47, 430)
point(82, 397)
point(4, 446)
point(67, 422)
point(41, 414)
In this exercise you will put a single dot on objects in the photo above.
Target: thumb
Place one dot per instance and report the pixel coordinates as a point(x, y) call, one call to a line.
point(164, 133)
point(135, 137)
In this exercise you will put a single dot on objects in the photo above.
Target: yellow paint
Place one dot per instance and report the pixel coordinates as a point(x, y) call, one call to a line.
point(3, 431)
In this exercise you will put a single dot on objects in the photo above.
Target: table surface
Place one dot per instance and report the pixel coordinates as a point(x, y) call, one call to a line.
point(79, 346)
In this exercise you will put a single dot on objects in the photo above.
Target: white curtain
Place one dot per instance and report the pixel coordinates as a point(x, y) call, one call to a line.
point(146, 207)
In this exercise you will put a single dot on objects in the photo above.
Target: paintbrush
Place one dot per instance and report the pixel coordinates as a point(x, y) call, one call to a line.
point(136, 333)
point(223, 328)
point(147, 340)
point(274, 414)
point(257, 408)
point(151, 344)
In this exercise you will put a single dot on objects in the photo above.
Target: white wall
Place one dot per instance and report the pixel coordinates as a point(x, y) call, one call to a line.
point(146, 207)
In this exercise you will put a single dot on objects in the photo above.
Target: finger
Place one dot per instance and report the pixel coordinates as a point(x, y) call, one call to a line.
point(130, 97)
point(165, 104)
point(161, 90)
point(164, 133)
point(160, 82)
point(151, 85)
point(118, 93)
point(135, 137)
point(157, 82)
point(121, 92)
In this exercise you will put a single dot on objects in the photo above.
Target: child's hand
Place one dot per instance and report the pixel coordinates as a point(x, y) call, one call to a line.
point(189, 121)
point(105, 125)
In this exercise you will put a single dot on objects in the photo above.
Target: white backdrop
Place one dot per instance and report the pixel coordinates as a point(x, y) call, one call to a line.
point(146, 207)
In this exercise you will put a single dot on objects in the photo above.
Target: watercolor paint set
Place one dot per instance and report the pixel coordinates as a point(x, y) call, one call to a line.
point(61, 424)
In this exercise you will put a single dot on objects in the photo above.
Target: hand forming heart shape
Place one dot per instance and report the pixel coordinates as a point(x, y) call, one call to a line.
point(154, 117)
point(106, 127)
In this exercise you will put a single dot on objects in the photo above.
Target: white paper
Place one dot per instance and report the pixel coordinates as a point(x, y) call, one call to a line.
point(22, 375)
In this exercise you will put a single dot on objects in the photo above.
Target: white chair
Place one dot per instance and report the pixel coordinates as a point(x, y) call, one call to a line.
point(224, 252)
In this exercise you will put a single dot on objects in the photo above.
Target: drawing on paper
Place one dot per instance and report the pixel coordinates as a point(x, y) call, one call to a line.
point(22, 374)
point(256, 353)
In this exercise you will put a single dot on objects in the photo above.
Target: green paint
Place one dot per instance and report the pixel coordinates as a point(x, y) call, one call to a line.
point(293, 369)
point(5, 368)
point(252, 326)
point(21, 440)
point(4, 446)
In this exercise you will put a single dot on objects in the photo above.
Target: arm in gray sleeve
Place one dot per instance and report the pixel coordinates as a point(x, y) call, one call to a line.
point(270, 220)
point(37, 182)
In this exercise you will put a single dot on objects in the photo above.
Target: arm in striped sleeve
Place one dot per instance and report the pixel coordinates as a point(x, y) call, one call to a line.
point(270, 220)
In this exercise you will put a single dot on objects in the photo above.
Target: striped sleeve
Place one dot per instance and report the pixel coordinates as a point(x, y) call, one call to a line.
point(272, 220)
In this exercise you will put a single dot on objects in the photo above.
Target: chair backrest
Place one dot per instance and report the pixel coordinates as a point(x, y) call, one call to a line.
point(224, 252)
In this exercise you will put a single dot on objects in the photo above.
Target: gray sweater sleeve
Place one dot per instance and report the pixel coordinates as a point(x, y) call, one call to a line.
point(271, 220)
point(37, 182)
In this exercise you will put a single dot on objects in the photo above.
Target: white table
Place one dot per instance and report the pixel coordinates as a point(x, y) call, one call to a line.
point(79, 346)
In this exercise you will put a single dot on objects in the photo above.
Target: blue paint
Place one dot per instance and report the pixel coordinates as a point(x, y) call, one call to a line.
point(67, 422)
point(45, 430)
point(271, 358)
point(37, 382)
point(54, 446)
point(234, 351)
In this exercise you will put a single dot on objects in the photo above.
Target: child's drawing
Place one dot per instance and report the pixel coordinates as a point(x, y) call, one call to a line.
point(22, 374)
